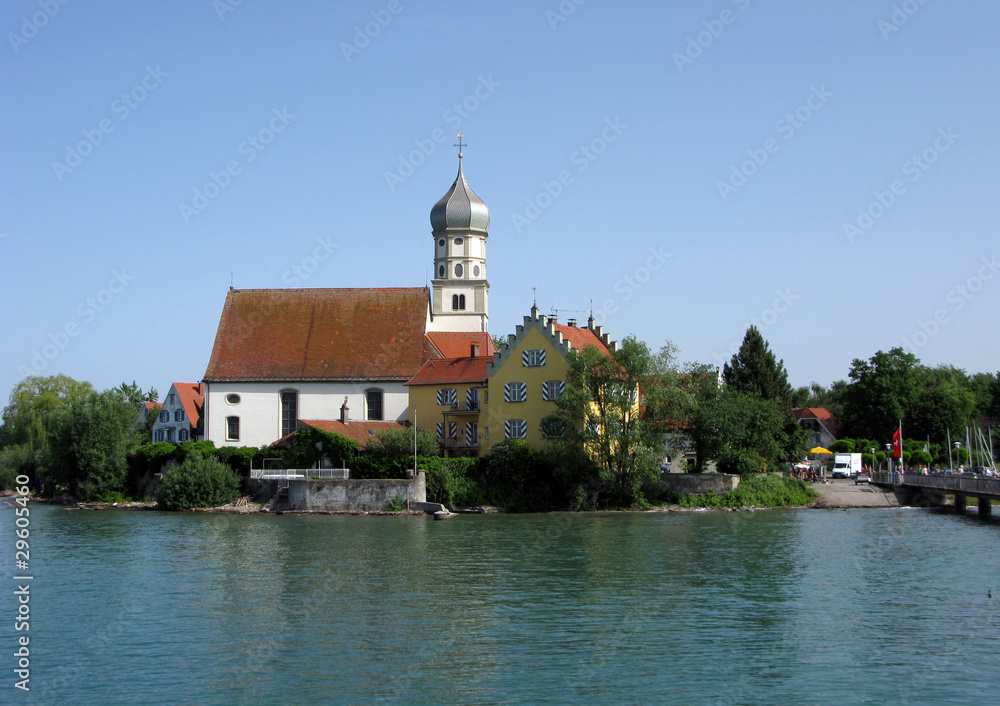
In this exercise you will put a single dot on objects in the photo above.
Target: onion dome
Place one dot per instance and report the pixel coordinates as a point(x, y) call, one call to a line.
point(460, 209)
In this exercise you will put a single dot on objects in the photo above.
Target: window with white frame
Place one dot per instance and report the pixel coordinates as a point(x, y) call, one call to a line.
point(289, 411)
point(183, 435)
point(179, 415)
point(472, 399)
point(533, 358)
point(515, 428)
point(373, 405)
point(165, 416)
point(515, 392)
point(170, 399)
point(447, 396)
point(232, 428)
point(552, 389)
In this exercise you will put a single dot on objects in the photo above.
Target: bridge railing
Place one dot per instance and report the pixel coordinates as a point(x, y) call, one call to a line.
point(970, 485)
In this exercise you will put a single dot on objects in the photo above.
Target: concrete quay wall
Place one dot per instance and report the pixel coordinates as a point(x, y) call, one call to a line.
point(698, 483)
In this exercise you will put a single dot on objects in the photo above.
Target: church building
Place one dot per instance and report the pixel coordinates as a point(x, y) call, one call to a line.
point(283, 355)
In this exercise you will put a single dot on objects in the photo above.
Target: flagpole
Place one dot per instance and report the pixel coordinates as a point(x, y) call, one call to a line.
point(902, 466)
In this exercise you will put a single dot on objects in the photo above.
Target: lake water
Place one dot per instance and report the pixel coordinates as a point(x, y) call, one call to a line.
point(777, 606)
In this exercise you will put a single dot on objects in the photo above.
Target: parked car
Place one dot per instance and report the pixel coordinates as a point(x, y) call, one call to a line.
point(862, 478)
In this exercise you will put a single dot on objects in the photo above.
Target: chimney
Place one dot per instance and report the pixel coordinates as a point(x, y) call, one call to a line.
point(343, 411)
point(571, 323)
point(475, 350)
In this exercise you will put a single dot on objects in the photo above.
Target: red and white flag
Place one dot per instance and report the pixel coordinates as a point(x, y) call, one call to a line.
point(897, 443)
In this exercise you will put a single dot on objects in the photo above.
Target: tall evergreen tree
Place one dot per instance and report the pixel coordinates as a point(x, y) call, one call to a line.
point(755, 371)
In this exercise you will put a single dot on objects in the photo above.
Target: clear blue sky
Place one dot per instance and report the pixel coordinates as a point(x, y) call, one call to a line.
point(710, 155)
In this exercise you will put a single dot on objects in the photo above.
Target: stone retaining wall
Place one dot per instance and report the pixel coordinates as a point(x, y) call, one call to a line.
point(698, 483)
point(369, 495)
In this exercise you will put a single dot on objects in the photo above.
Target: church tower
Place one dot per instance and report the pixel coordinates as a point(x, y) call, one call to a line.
point(460, 224)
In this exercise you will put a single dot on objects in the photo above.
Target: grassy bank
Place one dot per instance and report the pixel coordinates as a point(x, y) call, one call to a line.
point(757, 491)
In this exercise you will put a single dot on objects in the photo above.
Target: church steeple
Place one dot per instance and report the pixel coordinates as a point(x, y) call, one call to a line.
point(460, 223)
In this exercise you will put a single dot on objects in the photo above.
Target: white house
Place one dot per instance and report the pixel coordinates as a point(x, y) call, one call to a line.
point(180, 414)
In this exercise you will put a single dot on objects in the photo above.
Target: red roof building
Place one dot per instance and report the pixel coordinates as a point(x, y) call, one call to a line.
point(180, 414)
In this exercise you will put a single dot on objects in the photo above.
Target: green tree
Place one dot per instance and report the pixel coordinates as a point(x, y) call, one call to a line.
point(743, 433)
point(28, 414)
point(89, 441)
point(134, 395)
point(602, 416)
point(944, 400)
point(815, 395)
point(879, 394)
point(755, 370)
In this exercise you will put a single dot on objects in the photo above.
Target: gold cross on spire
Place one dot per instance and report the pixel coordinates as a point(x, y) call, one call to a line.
point(460, 145)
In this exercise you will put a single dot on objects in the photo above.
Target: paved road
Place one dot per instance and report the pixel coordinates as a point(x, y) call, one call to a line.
point(843, 493)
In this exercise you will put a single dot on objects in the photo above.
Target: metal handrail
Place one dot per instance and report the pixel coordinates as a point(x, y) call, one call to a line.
point(300, 473)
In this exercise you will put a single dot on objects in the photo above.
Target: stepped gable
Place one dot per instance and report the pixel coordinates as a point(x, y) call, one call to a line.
point(563, 337)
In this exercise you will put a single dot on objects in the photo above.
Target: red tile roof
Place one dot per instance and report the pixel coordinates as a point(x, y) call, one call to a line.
point(362, 432)
point(192, 398)
point(820, 413)
point(459, 345)
point(320, 334)
point(581, 337)
point(452, 370)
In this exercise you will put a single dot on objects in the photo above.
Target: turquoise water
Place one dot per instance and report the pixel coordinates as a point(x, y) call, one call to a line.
point(780, 606)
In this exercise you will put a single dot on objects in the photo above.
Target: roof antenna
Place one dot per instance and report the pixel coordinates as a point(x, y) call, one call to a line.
point(534, 296)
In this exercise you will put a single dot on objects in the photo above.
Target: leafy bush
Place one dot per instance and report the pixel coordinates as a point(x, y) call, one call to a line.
point(16, 459)
point(198, 482)
point(757, 490)
point(239, 458)
point(397, 504)
point(310, 445)
point(452, 481)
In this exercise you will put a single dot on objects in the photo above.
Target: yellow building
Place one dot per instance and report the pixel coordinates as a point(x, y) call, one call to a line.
point(528, 374)
point(473, 402)
point(446, 400)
